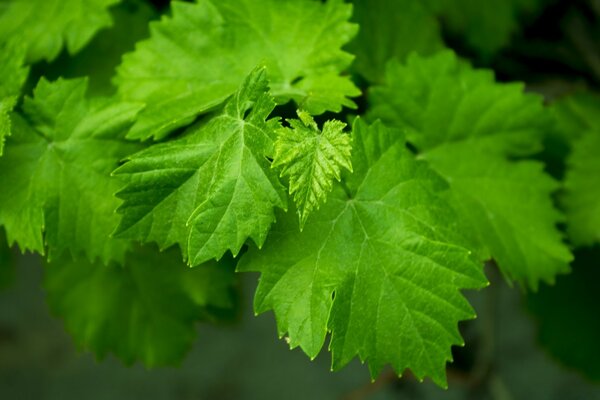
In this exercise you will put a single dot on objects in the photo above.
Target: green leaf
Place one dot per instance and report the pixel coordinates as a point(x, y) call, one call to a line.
point(311, 159)
point(145, 310)
point(569, 317)
point(55, 172)
point(391, 29)
point(44, 26)
point(441, 99)
point(199, 56)
point(582, 185)
point(470, 127)
point(376, 266)
point(212, 189)
point(12, 77)
point(509, 207)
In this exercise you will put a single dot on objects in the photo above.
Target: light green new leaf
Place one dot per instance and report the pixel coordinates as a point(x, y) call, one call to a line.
point(55, 172)
point(467, 125)
point(212, 189)
point(377, 266)
point(145, 310)
point(44, 26)
point(582, 185)
point(311, 159)
point(12, 77)
point(391, 29)
point(199, 56)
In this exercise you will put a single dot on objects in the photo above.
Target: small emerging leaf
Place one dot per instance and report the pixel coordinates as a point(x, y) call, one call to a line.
point(311, 159)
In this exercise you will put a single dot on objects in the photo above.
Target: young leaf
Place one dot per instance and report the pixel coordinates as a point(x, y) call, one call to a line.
point(376, 266)
point(212, 189)
point(145, 310)
point(311, 159)
point(55, 172)
point(467, 125)
point(12, 77)
point(45, 25)
point(199, 56)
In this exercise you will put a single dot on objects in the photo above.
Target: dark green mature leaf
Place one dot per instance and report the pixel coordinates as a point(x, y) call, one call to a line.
point(55, 173)
point(212, 189)
point(311, 159)
point(391, 29)
point(199, 56)
point(569, 317)
point(44, 26)
point(145, 310)
point(376, 266)
point(466, 125)
point(12, 77)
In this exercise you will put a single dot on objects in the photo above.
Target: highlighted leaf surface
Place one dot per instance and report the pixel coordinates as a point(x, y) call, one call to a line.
point(199, 56)
point(212, 189)
point(376, 267)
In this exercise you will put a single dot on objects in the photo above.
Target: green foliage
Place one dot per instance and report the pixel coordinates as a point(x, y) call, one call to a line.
point(386, 226)
point(311, 159)
point(212, 189)
point(376, 266)
point(466, 125)
point(144, 310)
point(12, 77)
point(199, 56)
point(44, 26)
point(57, 191)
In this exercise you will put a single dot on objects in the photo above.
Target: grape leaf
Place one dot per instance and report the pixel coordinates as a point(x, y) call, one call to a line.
point(199, 56)
point(212, 189)
point(582, 185)
point(12, 77)
point(56, 185)
point(509, 207)
point(467, 126)
point(44, 26)
point(569, 317)
point(376, 266)
point(391, 29)
point(311, 159)
point(144, 310)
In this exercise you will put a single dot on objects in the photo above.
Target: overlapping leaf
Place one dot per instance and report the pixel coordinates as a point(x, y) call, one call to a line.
point(12, 77)
point(144, 310)
point(212, 189)
point(44, 26)
point(200, 55)
point(311, 159)
point(376, 266)
point(55, 172)
point(467, 125)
